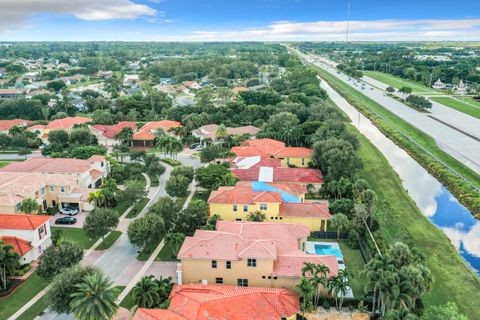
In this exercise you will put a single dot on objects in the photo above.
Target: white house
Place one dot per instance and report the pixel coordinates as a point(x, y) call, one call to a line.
point(29, 234)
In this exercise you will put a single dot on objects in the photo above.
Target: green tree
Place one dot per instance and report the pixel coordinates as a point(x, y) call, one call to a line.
point(29, 206)
point(447, 311)
point(100, 222)
point(167, 209)
point(174, 241)
point(256, 216)
point(145, 293)
point(94, 298)
point(335, 157)
point(60, 137)
point(134, 191)
point(125, 136)
point(306, 293)
point(340, 222)
point(24, 152)
point(81, 137)
point(215, 175)
point(55, 259)
point(9, 262)
point(177, 186)
point(145, 230)
point(64, 285)
point(191, 218)
point(56, 85)
point(390, 89)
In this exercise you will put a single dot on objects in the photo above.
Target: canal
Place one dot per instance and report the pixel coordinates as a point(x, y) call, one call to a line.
point(430, 196)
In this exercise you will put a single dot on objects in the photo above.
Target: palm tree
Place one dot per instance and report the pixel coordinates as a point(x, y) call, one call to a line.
point(256, 216)
point(125, 136)
point(174, 240)
point(305, 292)
point(94, 298)
point(165, 286)
point(145, 293)
point(16, 130)
point(221, 132)
point(339, 221)
point(9, 262)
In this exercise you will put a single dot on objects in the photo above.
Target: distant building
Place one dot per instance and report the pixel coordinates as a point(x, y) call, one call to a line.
point(439, 85)
point(104, 74)
point(146, 134)
point(6, 125)
point(8, 93)
point(106, 133)
point(131, 79)
point(209, 131)
point(461, 88)
point(29, 234)
point(208, 302)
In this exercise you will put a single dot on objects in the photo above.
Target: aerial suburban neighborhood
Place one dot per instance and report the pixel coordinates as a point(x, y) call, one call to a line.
point(256, 160)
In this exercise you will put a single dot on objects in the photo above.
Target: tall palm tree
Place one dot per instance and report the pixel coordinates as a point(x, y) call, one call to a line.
point(165, 286)
point(9, 262)
point(339, 221)
point(306, 293)
point(94, 298)
point(145, 293)
point(16, 130)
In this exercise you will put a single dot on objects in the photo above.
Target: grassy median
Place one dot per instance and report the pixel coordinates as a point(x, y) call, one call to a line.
point(397, 82)
point(458, 105)
point(453, 279)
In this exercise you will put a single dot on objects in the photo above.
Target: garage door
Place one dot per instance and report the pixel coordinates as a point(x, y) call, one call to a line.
point(71, 205)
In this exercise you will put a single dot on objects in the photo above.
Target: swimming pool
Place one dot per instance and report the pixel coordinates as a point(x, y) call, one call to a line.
point(329, 250)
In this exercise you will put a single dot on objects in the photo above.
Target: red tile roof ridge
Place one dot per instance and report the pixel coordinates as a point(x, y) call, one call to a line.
point(21, 246)
point(15, 221)
point(261, 243)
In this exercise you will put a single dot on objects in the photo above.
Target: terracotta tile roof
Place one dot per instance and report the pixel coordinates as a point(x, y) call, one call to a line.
point(49, 165)
point(8, 91)
point(282, 175)
point(96, 158)
point(66, 123)
point(156, 314)
point(5, 125)
point(308, 210)
point(112, 130)
point(268, 148)
point(147, 131)
point(96, 174)
point(251, 130)
point(22, 221)
point(36, 127)
point(20, 246)
point(291, 265)
point(242, 194)
point(207, 302)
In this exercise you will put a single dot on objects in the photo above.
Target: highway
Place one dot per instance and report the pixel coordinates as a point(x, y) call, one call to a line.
point(455, 133)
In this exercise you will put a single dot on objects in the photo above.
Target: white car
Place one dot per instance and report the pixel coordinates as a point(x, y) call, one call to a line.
point(198, 148)
point(69, 211)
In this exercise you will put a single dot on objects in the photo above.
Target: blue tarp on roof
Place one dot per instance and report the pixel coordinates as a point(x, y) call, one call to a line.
point(259, 186)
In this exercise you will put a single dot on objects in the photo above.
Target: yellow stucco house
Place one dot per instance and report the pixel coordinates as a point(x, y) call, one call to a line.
point(279, 202)
point(290, 156)
point(258, 254)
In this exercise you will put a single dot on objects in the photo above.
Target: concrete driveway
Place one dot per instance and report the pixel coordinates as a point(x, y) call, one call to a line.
point(80, 220)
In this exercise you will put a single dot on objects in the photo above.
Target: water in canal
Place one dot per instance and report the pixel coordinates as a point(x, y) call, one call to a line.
point(431, 197)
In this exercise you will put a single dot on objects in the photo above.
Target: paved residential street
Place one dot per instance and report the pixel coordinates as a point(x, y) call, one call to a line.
point(459, 145)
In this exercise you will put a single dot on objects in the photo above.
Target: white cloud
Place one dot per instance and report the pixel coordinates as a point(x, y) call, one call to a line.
point(14, 13)
point(376, 30)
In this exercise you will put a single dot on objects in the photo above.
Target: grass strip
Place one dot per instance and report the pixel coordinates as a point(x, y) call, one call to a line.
point(458, 105)
point(109, 240)
point(138, 208)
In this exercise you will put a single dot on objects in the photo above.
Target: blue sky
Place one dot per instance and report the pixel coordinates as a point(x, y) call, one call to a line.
point(234, 20)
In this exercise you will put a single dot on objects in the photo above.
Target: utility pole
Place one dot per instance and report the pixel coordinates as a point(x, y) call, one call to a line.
point(348, 20)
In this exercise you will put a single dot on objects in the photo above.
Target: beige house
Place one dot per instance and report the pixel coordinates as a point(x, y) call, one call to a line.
point(256, 254)
point(51, 182)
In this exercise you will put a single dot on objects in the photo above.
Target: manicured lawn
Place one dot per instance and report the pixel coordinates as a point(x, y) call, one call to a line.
point(398, 82)
point(153, 180)
point(172, 162)
point(166, 254)
point(109, 240)
point(4, 163)
point(353, 262)
point(35, 310)
point(128, 302)
point(76, 235)
point(138, 208)
point(459, 105)
point(121, 206)
point(201, 195)
point(33, 285)
point(395, 123)
point(453, 280)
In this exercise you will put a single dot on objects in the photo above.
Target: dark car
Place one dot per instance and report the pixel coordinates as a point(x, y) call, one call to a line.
point(66, 220)
point(194, 146)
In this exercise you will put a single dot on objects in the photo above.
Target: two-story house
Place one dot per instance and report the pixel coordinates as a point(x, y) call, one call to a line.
point(28, 234)
point(145, 136)
point(106, 133)
point(259, 254)
point(208, 302)
point(289, 156)
point(279, 202)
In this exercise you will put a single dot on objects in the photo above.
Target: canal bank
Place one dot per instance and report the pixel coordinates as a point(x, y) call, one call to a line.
point(426, 216)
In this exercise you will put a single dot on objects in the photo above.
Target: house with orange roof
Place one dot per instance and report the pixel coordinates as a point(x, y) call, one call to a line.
point(289, 156)
point(270, 170)
point(66, 124)
point(207, 302)
point(145, 136)
point(278, 201)
point(106, 133)
point(6, 125)
point(28, 234)
point(258, 254)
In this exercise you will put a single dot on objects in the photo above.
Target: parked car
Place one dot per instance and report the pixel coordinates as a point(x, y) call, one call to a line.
point(66, 220)
point(198, 148)
point(69, 211)
point(194, 146)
